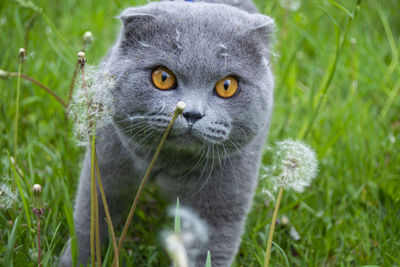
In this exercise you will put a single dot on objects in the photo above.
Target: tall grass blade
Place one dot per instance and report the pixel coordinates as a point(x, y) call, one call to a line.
point(10, 245)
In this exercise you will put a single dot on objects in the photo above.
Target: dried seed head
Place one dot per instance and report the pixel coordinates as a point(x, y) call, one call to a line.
point(81, 58)
point(285, 220)
point(38, 206)
point(21, 53)
point(180, 106)
point(37, 189)
point(87, 37)
point(3, 74)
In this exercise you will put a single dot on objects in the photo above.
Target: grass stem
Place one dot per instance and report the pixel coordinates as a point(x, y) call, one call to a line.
point(178, 110)
point(272, 228)
point(107, 211)
point(72, 85)
point(48, 90)
point(92, 203)
point(38, 240)
point(20, 62)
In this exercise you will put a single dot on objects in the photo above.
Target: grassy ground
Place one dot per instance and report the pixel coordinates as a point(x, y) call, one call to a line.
point(350, 216)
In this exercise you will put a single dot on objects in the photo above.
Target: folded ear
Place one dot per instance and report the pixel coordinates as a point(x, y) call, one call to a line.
point(137, 23)
point(261, 33)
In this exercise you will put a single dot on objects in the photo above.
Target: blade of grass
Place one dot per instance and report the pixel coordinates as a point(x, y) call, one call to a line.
point(208, 260)
point(330, 74)
point(11, 241)
point(21, 193)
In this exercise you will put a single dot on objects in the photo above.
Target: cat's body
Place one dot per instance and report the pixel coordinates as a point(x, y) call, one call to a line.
point(212, 155)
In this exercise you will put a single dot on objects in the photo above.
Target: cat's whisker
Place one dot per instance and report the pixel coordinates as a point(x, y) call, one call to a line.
point(209, 175)
point(203, 170)
point(234, 144)
point(146, 136)
point(219, 157)
point(202, 151)
point(236, 179)
point(143, 131)
point(225, 154)
point(132, 127)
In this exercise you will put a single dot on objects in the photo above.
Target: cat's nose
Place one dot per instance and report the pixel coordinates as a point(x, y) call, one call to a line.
point(192, 116)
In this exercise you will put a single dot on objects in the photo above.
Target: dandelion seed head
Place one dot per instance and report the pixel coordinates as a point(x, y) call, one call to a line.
point(3, 74)
point(88, 37)
point(176, 249)
point(294, 167)
point(7, 197)
point(37, 188)
point(292, 5)
point(190, 240)
point(181, 106)
point(92, 105)
point(81, 54)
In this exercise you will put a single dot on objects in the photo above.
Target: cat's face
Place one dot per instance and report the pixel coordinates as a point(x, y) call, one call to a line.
point(212, 57)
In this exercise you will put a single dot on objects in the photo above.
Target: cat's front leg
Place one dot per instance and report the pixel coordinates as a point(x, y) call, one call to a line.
point(223, 204)
point(225, 228)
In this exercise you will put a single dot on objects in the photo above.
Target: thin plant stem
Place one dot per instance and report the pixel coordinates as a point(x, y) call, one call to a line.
point(71, 87)
point(146, 176)
point(106, 210)
point(48, 90)
point(38, 241)
point(20, 62)
point(272, 228)
point(92, 202)
point(97, 226)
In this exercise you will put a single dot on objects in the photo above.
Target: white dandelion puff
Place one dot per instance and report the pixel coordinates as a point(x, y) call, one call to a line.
point(91, 103)
point(294, 167)
point(183, 247)
point(7, 197)
point(292, 5)
point(176, 249)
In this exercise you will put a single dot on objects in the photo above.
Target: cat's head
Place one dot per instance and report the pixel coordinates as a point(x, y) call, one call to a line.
point(213, 57)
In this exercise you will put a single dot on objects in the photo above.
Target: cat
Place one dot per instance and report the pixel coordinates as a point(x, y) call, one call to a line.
point(214, 56)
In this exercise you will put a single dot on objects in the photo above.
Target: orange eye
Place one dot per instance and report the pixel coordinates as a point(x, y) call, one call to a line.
point(226, 87)
point(163, 78)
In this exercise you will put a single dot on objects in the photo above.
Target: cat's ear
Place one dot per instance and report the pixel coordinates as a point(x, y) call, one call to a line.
point(136, 20)
point(261, 33)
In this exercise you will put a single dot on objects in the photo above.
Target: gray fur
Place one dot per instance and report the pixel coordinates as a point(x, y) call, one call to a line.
point(213, 166)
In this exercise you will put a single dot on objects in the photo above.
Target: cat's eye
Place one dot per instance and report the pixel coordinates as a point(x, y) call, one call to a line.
point(227, 87)
point(163, 78)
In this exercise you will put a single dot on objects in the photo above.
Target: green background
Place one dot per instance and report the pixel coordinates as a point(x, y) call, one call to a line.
point(337, 90)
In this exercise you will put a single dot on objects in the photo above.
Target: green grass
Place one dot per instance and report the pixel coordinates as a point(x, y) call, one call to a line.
point(350, 216)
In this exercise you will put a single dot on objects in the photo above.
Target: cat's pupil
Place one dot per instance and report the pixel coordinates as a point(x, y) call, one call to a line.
point(164, 76)
point(226, 84)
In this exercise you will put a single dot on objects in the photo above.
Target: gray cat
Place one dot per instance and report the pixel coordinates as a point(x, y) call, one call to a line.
point(214, 56)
